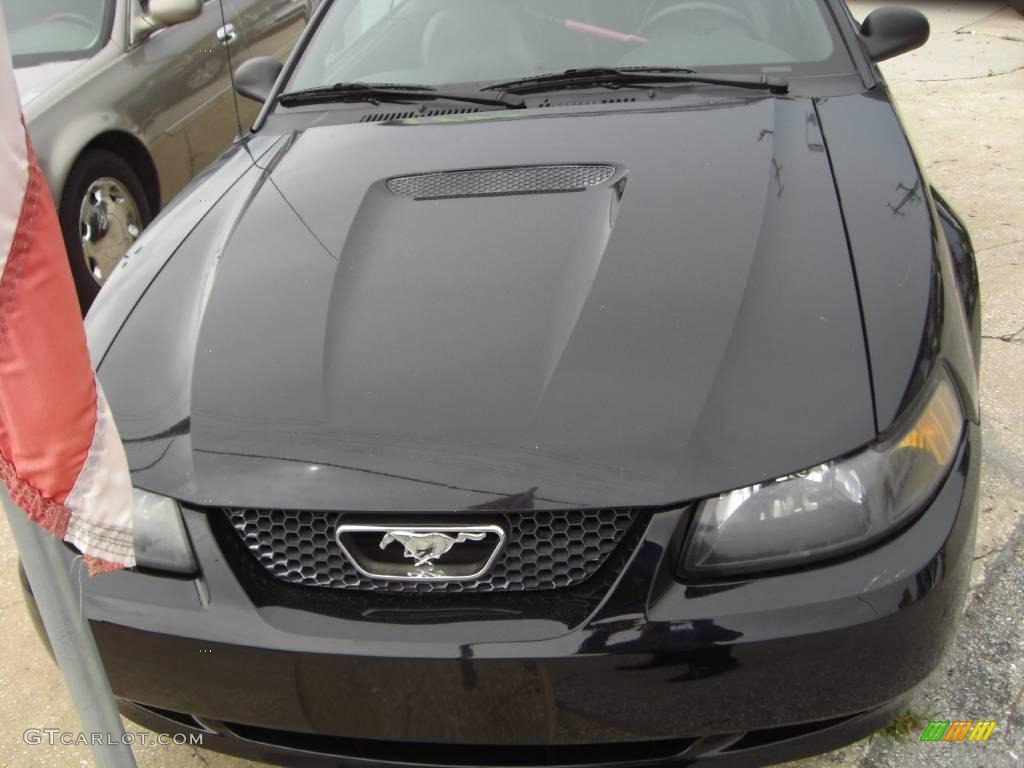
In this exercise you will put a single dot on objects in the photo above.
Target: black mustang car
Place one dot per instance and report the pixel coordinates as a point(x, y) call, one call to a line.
point(543, 383)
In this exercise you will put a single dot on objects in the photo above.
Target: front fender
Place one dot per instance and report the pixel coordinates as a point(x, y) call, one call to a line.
point(61, 133)
point(158, 245)
point(965, 266)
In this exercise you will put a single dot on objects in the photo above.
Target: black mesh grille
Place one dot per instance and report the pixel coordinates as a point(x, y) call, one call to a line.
point(543, 550)
point(488, 182)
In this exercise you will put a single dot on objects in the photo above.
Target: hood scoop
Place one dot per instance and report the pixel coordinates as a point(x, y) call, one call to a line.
point(493, 182)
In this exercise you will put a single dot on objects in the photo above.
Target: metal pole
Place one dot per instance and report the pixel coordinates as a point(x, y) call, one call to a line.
point(70, 637)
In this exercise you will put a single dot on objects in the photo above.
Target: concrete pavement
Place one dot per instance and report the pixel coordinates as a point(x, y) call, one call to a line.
point(962, 98)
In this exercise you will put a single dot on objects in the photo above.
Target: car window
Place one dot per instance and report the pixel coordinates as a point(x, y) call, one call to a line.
point(43, 30)
point(452, 41)
point(365, 15)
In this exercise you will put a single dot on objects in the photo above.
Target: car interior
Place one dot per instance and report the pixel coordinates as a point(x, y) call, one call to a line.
point(37, 27)
point(445, 41)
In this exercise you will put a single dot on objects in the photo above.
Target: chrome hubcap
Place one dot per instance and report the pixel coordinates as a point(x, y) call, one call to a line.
point(109, 222)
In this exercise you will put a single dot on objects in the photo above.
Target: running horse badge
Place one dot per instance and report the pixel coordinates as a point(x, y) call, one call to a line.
point(425, 548)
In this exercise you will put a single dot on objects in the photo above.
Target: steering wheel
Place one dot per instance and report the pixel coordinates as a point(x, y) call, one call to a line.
point(730, 15)
point(74, 18)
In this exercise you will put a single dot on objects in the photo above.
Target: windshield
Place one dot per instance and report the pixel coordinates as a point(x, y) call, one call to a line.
point(47, 30)
point(440, 42)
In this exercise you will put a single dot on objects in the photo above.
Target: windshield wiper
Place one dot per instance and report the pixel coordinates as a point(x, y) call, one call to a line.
point(611, 77)
point(376, 93)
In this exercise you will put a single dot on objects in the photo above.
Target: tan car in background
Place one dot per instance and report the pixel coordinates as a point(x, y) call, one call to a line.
point(126, 101)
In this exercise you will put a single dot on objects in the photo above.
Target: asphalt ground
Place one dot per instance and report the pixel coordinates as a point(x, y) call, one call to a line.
point(962, 99)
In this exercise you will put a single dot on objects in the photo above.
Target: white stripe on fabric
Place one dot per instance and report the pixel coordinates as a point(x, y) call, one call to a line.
point(101, 500)
point(13, 152)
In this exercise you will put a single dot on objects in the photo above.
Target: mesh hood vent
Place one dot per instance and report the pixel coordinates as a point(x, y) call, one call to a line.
point(383, 117)
point(490, 182)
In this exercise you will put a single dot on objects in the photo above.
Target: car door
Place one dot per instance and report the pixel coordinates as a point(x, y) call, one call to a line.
point(185, 102)
point(266, 28)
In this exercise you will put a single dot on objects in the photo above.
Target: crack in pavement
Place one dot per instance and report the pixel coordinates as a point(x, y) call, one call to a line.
point(959, 79)
point(959, 30)
point(989, 553)
point(999, 245)
point(1010, 338)
point(964, 110)
point(1005, 37)
point(989, 34)
point(1016, 701)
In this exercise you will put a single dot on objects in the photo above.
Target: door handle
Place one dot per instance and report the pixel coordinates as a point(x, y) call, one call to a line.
point(227, 34)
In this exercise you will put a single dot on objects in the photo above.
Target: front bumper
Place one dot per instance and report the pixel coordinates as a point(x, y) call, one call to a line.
point(656, 673)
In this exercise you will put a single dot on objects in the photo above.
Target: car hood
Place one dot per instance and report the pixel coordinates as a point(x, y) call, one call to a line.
point(34, 81)
point(686, 326)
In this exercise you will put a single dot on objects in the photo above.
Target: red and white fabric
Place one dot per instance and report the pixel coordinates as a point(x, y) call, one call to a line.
point(60, 455)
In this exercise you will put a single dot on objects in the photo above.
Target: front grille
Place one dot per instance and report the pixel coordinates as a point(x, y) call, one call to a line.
point(543, 550)
point(489, 182)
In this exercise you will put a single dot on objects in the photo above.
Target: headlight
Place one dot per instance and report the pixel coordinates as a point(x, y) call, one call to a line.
point(833, 508)
point(161, 541)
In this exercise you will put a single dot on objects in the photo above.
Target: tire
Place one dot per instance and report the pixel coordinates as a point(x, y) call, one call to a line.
point(118, 212)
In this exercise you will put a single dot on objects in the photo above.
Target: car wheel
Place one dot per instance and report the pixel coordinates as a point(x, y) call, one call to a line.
point(103, 210)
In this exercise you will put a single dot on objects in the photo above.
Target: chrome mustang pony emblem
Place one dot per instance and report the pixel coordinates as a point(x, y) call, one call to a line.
point(369, 549)
point(425, 547)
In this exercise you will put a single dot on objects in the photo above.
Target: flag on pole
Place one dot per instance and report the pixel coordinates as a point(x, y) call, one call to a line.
point(60, 454)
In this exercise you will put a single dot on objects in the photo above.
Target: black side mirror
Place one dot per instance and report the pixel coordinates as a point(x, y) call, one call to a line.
point(255, 78)
point(893, 30)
